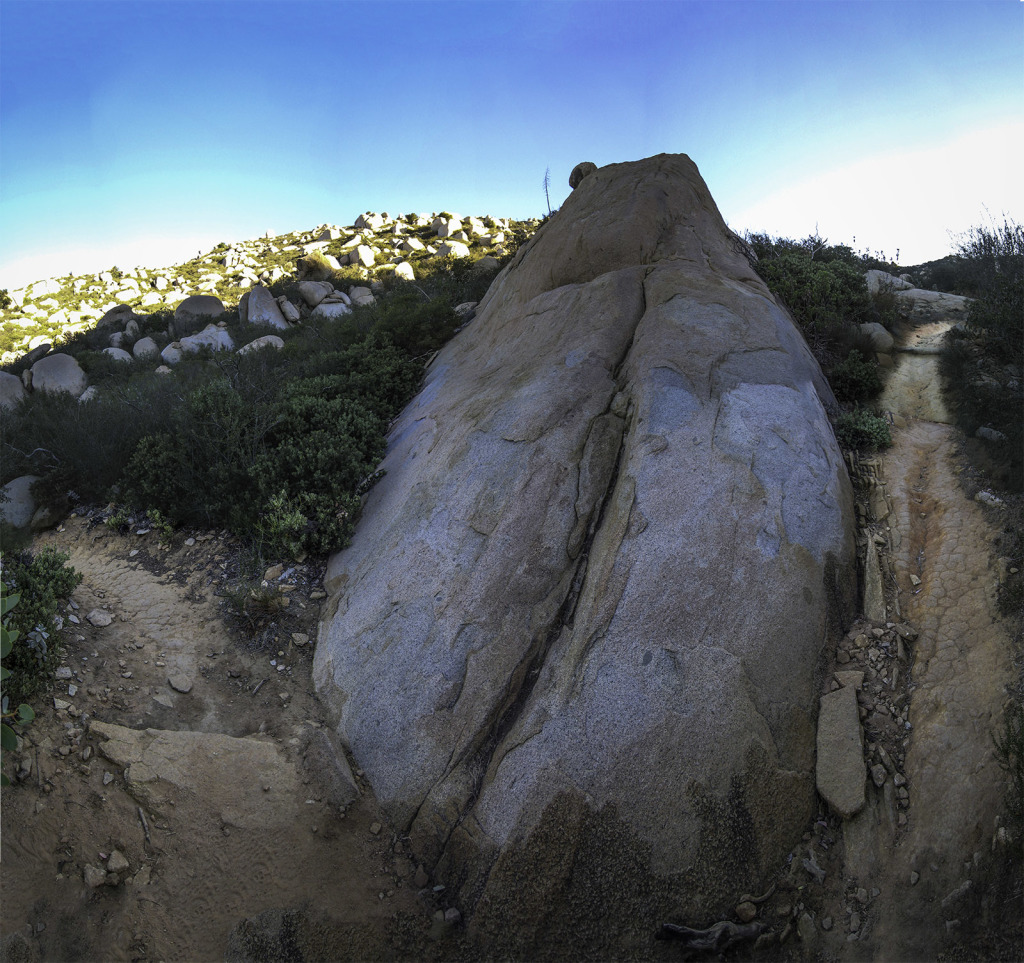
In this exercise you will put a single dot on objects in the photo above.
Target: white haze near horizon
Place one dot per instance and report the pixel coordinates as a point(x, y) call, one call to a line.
point(914, 201)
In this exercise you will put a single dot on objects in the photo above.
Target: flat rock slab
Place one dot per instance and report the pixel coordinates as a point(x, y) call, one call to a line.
point(840, 768)
point(245, 781)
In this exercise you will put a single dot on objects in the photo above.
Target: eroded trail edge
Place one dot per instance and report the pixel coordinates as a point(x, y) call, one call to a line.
point(942, 578)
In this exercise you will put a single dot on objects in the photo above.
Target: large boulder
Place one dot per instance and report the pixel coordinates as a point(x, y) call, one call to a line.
point(263, 309)
point(193, 313)
point(925, 307)
point(576, 643)
point(56, 373)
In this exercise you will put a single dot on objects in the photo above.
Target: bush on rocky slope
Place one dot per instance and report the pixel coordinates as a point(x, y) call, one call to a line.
point(984, 359)
point(825, 290)
point(41, 582)
point(276, 445)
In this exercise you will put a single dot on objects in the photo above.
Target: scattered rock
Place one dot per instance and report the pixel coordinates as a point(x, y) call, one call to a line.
point(94, 876)
point(117, 863)
point(100, 618)
point(180, 683)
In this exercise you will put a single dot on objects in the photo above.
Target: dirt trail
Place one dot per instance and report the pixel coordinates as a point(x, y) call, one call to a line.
point(241, 809)
point(946, 581)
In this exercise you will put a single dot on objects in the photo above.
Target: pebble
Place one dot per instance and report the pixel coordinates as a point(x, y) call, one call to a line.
point(180, 683)
point(452, 915)
point(854, 922)
point(118, 862)
point(108, 778)
point(375, 828)
point(421, 878)
point(914, 877)
point(94, 876)
point(63, 673)
point(190, 542)
point(878, 774)
point(746, 911)
point(826, 923)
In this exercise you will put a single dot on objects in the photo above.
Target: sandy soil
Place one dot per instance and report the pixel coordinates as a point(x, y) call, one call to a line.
point(231, 807)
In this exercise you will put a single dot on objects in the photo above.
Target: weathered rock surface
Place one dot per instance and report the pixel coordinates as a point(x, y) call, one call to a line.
point(12, 391)
point(158, 764)
point(580, 171)
point(574, 642)
point(56, 373)
point(19, 506)
point(263, 309)
point(189, 315)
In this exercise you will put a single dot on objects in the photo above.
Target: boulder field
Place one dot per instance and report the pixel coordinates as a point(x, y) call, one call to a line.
point(578, 639)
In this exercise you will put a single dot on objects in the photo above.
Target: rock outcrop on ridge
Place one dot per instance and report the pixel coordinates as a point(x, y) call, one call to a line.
point(576, 641)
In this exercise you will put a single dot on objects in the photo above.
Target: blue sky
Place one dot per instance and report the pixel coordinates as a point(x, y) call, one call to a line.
point(140, 132)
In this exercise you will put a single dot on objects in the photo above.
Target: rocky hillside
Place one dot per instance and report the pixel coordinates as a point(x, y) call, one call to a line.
point(375, 246)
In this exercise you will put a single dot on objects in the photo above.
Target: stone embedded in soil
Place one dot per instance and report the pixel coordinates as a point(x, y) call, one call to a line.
point(850, 677)
point(118, 862)
point(746, 911)
point(94, 876)
point(99, 618)
point(180, 683)
point(840, 770)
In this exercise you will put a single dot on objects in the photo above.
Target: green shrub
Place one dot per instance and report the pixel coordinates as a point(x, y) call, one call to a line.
point(983, 361)
point(41, 582)
point(9, 715)
point(862, 430)
point(855, 379)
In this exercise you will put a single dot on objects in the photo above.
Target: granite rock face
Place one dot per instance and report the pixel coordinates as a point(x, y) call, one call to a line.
point(575, 641)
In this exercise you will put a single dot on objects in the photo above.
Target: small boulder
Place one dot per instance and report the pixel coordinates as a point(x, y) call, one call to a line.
point(290, 312)
point(145, 348)
point(361, 295)
point(211, 336)
point(118, 316)
point(580, 171)
point(328, 310)
point(453, 249)
point(267, 341)
point(313, 292)
point(56, 373)
point(118, 354)
point(171, 355)
point(19, 507)
point(189, 315)
point(404, 270)
point(883, 281)
point(12, 391)
point(881, 340)
point(364, 255)
point(263, 309)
